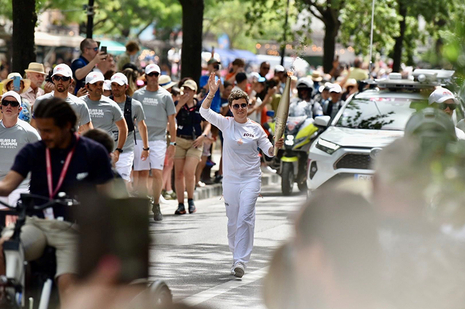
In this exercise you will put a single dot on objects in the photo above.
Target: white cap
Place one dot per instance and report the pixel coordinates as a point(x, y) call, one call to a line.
point(152, 68)
point(279, 68)
point(13, 94)
point(120, 79)
point(63, 70)
point(335, 88)
point(94, 77)
point(440, 95)
point(106, 84)
point(326, 85)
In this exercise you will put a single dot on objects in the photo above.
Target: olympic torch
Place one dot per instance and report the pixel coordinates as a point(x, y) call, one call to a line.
point(283, 112)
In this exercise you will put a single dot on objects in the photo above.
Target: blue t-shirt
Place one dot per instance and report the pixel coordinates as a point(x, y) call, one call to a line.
point(189, 120)
point(90, 166)
point(77, 64)
point(216, 102)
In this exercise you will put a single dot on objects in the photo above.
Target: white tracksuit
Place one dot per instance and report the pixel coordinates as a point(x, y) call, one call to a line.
point(241, 178)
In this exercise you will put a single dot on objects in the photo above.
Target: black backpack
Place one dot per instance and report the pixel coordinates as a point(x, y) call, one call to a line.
point(127, 113)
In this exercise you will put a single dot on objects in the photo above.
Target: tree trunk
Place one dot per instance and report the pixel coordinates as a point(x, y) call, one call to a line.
point(24, 22)
point(192, 20)
point(398, 47)
point(332, 25)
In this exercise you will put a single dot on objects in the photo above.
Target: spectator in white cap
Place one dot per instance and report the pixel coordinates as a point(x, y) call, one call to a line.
point(334, 103)
point(24, 85)
point(134, 115)
point(105, 113)
point(445, 100)
point(107, 87)
point(160, 111)
point(280, 73)
point(19, 133)
point(62, 78)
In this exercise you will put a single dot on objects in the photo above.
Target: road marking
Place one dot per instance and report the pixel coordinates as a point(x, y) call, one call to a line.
point(203, 296)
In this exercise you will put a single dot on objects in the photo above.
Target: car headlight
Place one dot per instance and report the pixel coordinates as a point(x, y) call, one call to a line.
point(327, 146)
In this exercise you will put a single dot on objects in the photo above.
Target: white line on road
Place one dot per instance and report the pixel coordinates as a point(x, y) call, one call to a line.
point(201, 297)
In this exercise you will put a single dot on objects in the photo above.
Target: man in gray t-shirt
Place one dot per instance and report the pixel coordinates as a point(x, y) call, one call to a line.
point(62, 78)
point(159, 111)
point(105, 113)
point(119, 85)
point(14, 135)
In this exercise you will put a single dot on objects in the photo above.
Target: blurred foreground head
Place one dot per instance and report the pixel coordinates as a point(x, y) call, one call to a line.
point(422, 175)
point(333, 261)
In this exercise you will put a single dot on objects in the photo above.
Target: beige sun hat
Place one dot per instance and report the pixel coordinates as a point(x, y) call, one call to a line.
point(35, 67)
point(5, 82)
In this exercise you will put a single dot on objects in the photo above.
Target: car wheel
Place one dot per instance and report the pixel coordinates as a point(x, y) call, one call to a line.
point(287, 178)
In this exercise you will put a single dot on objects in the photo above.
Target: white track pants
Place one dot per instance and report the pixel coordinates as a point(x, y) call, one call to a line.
point(240, 199)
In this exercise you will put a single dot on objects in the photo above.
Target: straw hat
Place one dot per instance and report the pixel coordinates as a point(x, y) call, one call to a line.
point(35, 67)
point(26, 82)
point(316, 76)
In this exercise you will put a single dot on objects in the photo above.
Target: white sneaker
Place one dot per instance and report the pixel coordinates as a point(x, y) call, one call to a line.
point(239, 270)
point(200, 184)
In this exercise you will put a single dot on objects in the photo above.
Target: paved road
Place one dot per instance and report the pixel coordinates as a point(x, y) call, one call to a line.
point(191, 252)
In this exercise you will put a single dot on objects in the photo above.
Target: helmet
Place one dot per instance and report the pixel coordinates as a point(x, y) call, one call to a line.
point(431, 123)
point(305, 82)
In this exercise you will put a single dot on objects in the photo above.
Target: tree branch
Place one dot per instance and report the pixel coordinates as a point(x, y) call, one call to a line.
point(145, 27)
point(320, 17)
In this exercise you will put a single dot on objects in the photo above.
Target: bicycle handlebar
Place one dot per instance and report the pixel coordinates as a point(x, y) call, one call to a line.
point(26, 197)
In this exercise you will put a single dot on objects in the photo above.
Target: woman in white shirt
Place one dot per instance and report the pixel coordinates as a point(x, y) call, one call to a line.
point(241, 170)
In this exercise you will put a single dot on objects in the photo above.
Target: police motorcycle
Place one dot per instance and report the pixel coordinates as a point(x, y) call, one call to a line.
point(300, 132)
point(31, 284)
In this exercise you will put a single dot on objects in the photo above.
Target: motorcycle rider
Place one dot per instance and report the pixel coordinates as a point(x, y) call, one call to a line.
point(303, 105)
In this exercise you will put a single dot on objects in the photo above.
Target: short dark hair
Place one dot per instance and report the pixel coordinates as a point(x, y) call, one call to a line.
point(101, 137)
point(240, 77)
point(86, 44)
point(237, 94)
point(226, 84)
point(59, 110)
point(239, 62)
point(132, 46)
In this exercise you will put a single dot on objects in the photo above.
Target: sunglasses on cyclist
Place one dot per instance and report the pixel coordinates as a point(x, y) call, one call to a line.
point(12, 103)
point(443, 106)
point(63, 78)
point(236, 106)
point(153, 74)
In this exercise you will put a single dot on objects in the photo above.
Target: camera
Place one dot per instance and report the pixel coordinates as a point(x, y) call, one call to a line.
point(216, 66)
point(48, 78)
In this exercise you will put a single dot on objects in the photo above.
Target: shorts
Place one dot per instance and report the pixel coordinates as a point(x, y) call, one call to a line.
point(156, 156)
point(184, 149)
point(124, 165)
point(38, 233)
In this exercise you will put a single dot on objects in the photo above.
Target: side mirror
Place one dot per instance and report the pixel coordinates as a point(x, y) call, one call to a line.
point(322, 121)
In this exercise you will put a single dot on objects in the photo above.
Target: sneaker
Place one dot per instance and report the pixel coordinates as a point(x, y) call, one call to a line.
point(181, 210)
point(191, 207)
point(200, 184)
point(169, 195)
point(218, 179)
point(232, 270)
point(157, 216)
point(210, 163)
point(239, 270)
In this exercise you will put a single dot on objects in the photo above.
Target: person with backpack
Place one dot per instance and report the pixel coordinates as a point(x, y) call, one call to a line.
point(134, 115)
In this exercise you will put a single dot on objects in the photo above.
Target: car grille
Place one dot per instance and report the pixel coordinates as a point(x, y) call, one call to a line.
point(354, 160)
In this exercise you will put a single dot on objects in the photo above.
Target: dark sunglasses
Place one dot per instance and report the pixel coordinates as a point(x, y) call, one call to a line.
point(63, 78)
point(443, 106)
point(153, 74)
point(236, 106)
point(12, 103)
point(94, 48)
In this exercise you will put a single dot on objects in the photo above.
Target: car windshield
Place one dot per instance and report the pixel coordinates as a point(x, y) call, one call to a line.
point(378, 113)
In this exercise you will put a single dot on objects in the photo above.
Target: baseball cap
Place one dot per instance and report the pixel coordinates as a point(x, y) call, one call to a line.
point(279, 68)
point(13, 94)
point(212, 61)
point(152, 68)
point(63, 69)
point(190, 84)
point(106, 84)
point(440, 95)
point(94, 77)
point(326, 86)
point(335, 88)
point(165, 82)
point(119, 78)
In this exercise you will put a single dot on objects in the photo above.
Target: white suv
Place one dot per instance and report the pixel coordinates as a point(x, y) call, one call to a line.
point(366, 123)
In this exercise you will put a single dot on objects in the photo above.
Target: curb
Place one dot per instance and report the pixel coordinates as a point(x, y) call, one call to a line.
point(216, 189)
